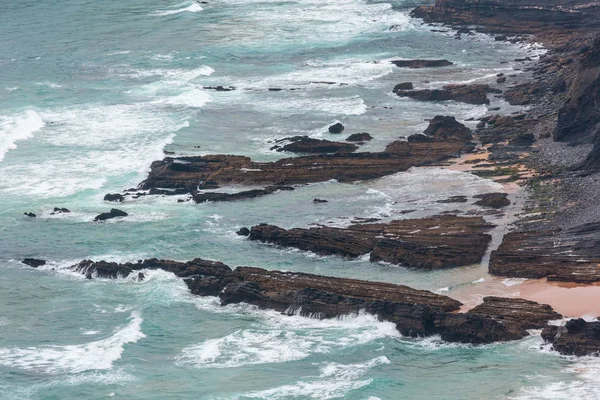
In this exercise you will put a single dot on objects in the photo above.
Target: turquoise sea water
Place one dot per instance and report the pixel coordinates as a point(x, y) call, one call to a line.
point(91, 92)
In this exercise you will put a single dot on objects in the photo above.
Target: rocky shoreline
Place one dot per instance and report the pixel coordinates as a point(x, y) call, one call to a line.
point(552, 149)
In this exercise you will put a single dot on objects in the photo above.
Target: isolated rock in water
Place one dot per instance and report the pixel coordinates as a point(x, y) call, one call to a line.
point(58, 210)
point(203, 197)
point(492, 200)
point(403, 86)
point(336, 128)
point(454, 199)
point(430, 243)
point(319, 201)
point(470, 94)
point(359, 137)
point(526, 313)
point(578, 337)
point(318, 146)
point(421, 63)
point(442, 129)
point(114, 197)
point(111, 214)
point(243, 232)
point(30, 214)
point(34, 262)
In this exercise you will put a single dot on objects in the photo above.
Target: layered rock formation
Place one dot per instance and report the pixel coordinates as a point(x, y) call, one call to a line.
point(421, 63)
point(571, 255)
point(304, 144)
point(577, 337)
point(431, 243)
point(414, 312)
point(470, 94)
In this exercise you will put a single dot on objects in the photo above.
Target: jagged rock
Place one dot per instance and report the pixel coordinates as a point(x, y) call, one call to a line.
point(403, 86)
point(336, 128)
point(104, 269)
point(443, 129)
point(34, 262)
point(220, 88)
point(431, 243)
point(113, 213)
point(116, 197)
point(492, 200)
point(470, 94)
point(419, 138)
point(571, 255)
point(421, 63)
point(577, 337)
point(30, 214)
point(305, 144)
point(58, 210)
point(243, 232)
point(359, 137)
point(523, 93)
point(203, 197)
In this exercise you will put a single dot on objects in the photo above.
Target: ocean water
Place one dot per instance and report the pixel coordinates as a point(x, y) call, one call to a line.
point(93, 91)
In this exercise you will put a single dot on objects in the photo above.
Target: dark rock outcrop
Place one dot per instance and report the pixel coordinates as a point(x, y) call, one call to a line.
point(34, 262)
point(414, 312)
point(113, 213)
point(30, 214)
point(470, 94)
point(305, 144)
point(421, 63)
point(59, 210)
point(243, 232)
point(359, 137)
point(571, 255)
point(116, 197)
point(454, 199)
point(403, 86)
point(443, 129)
point(492, 200)
point(430, 243)
point(336, 128)
point(203, 197)
point(578, 337)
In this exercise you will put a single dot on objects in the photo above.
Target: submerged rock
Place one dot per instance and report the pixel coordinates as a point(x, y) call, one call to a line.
point(116, 197)
point(317, 146)
point(34, 262)
point(421, 63)
point(30, 214)
point(359, 137)
point(203, 197)
point(58, 210)
point(113, 213)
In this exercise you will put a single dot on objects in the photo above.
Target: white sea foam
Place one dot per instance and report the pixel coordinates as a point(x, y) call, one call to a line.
point(585, 384)
point(278, 338)
point(353, 105)
point(513, 281)
point(185, 7)
point(334, 381)
point(98, 355)
point(90, 145)
point(18, 127)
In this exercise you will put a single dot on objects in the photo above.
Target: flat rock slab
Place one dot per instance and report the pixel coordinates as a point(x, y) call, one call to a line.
point(304, 144)
point(438, 242)
point(470, 94)
point(525, 313)
point(421, 63)
point(571, 255)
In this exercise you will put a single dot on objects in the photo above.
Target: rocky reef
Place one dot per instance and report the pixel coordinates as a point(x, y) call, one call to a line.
point(414, 312)
point(438, 242)
point(470, 94)
point(578, 337)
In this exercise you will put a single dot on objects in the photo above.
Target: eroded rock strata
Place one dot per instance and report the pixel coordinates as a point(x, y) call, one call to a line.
point(438, 242)
point(174, 175)
point(578, 337)
point(470, 94)
point(571, 255)
point(414, 312)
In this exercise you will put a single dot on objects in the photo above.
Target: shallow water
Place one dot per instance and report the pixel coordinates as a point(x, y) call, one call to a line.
point(93, 92)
